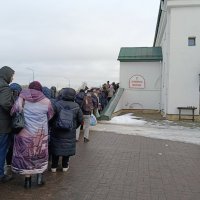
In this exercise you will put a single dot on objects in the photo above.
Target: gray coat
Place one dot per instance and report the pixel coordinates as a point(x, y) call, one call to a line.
point(62, 142)
point(6, 99)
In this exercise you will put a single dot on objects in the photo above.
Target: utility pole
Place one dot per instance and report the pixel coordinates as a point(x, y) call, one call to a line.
point(33, 73)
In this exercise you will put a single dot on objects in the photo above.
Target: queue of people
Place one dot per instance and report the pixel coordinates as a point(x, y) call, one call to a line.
point(47, 132)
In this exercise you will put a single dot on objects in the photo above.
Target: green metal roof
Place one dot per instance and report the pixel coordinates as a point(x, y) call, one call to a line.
point(140, 54)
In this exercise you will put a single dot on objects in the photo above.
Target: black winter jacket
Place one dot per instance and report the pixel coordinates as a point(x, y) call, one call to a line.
point(6, 99)
point(62, 142)
point(79, 98)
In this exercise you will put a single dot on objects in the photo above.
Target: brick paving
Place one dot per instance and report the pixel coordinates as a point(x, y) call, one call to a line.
point(120, 167)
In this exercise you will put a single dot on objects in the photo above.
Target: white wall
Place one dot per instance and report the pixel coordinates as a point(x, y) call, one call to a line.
point(184, 67)
point(181, 63)
point(180, 67)
point(162, 41)
point(150, 96)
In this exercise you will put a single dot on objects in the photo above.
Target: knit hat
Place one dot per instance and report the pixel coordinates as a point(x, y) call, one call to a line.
point(15, 87)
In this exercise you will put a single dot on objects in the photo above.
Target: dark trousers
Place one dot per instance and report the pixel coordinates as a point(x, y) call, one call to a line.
point(10, 150)
point(55, 159)
point(4, 143)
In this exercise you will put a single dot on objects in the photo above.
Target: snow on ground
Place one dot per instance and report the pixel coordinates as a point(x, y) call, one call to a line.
point(131, 125)
point(127, 119)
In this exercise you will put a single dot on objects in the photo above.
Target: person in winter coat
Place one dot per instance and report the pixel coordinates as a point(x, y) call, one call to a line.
point(103, 98)
point(6, 102)
point(79, 97)
point(95, 100)
point(30, 152)
point(87, 109)
point(111, 92)
point(47, 92)
point(16, 89)
point(79, 100)
point(53, 92)
point(63, 142)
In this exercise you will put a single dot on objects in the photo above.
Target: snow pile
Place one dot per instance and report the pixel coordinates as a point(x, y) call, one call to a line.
point(127, 119)
point(131, 125)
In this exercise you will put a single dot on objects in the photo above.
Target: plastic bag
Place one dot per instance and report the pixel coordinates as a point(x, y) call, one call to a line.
point(93, 120)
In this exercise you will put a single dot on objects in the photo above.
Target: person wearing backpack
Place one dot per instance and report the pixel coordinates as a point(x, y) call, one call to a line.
point(68, 116)
point(87, 109)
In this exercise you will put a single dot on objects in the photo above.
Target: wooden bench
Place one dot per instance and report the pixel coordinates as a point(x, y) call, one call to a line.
point(192, 108)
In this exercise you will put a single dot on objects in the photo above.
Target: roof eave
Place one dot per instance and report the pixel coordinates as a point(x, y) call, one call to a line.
point(139, 60)
point(157, 24)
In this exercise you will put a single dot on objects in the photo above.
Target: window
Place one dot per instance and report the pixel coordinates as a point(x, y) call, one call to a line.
point(191, 41)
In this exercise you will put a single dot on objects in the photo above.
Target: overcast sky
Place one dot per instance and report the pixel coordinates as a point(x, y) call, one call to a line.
point(75, 41)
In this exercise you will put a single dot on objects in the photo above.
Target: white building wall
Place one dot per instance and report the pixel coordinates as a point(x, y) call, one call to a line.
point(150, 96)
point(164, 71)
point(180, 68)
point(164, 43)
point(181, 63)
point(184, 60)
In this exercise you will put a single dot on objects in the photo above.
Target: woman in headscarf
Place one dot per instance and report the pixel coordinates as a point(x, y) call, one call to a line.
point(30, 152)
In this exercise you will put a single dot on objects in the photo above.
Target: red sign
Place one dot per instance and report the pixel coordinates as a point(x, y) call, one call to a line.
point(137, 81)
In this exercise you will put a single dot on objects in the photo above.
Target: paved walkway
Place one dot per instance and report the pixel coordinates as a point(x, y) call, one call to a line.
point(120, 167)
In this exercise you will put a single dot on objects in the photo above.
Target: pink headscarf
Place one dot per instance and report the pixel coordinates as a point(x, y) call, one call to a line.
point(36, 85)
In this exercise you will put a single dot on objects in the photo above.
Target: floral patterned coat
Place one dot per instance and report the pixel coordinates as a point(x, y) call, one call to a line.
point(30, 151)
